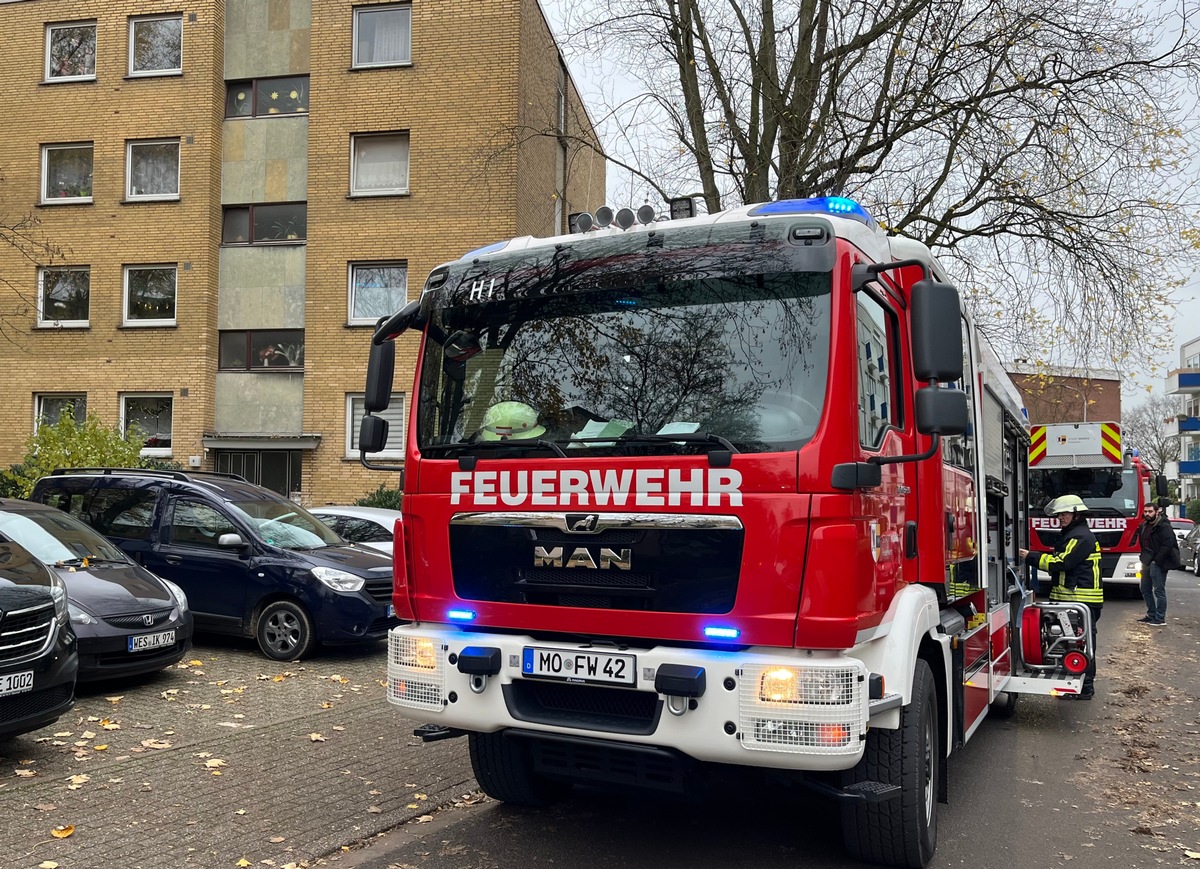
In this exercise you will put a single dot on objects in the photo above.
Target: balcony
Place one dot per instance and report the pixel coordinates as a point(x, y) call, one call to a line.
point(1184, 381)
point(1183, 425)
point(1190, 469)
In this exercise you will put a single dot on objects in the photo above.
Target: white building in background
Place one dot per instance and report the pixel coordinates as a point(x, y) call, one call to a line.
point(1185, 382)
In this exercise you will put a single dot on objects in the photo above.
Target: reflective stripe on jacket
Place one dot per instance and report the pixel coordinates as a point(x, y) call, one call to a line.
point(1074, 566)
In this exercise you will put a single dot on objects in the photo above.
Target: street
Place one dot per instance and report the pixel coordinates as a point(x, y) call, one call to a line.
point(230, 757)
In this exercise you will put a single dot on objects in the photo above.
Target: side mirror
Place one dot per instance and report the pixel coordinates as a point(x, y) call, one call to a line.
point(396, 325)
point(936, 332)
point(381, 369)
point(1161, 487)
point(232, 541)
point(942, 411)
point(372, 434)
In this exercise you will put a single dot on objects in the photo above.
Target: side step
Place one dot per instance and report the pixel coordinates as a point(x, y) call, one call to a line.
point(436, 732)
point(859, 792)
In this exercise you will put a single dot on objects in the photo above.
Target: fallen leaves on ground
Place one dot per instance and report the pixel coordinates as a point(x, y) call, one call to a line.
point(155, 743)
point(316, 737)
point(62, 831)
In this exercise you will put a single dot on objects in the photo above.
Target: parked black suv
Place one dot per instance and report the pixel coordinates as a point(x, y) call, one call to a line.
point(251, 562)
point(37, 647)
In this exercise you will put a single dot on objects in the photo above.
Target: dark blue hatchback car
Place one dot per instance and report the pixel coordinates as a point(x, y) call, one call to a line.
point(251, 562)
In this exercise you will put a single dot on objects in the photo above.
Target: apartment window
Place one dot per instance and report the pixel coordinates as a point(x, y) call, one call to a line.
point(152, 169)
point(156, 45)
point(49, 409)
point(150, 295)
point(67, 173)
point(71, 51)
point(382, 35)
point(356, 409)
point(256, 98)
point(150, 415)
point(377, 290)
point(258, 349)
point(64, 297)
point(379, 164)
point(285, 223)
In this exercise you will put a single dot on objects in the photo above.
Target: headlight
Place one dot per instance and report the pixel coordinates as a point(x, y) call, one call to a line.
point(80, 616)
point(1137, 565)
point(806, 685)
point(419, 652)
point(58, 591)
point(177, 593)
point(339, 580)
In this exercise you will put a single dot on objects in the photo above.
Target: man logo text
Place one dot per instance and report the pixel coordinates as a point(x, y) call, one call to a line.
point(581, 557)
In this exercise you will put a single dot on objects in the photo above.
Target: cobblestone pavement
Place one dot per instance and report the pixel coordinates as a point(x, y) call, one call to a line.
point(226, 757)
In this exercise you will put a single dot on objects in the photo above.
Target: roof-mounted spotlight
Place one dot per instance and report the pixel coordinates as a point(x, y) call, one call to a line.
point(625, 218)
point(604, 216)
point(582, 222)
point(646, 214)
point(682, 207)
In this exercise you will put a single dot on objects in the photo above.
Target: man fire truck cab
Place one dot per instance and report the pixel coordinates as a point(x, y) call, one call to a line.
point(756, 498)
point(1086, 459)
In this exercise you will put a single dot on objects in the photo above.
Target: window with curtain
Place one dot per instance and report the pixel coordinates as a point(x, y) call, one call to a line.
point(380, 164)
point(377, 290)
point(152, 169)
point(67, 173)
point(150, 295)
point(382, 35)
point(151, 416)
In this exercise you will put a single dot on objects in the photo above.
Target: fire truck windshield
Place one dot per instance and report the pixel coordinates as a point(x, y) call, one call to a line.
point(1106, 491)
point(740, 358)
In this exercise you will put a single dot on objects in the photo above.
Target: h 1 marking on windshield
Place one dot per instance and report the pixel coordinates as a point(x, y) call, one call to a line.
point(482, 289)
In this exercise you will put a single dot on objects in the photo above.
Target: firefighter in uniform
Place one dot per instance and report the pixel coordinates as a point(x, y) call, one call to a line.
point(1074, 568)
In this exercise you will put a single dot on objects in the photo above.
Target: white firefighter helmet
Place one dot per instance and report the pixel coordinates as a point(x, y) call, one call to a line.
point(510, 419)
point(1066, 504)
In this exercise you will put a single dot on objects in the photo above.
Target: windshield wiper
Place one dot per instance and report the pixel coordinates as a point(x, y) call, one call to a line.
point(498, 445)
point(693, 437)
point(88, 560)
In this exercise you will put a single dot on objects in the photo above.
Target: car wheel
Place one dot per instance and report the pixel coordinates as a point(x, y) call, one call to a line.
point(1196, 564)
point(285, 631)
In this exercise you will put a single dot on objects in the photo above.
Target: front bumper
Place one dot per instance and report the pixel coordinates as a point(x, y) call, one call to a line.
point(821, 727)
point(1127, 572)
point(53, 691)
point(104, 650)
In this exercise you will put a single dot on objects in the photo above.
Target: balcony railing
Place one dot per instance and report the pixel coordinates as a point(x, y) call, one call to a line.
point(1184, 381)
point(1183, 425)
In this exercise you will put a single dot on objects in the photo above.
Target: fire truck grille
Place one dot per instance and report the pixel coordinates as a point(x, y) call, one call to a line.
point(649, 569)
point(587, 707)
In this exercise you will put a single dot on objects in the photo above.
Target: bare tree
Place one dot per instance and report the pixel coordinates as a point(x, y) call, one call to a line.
point(1145, 427)
point(1041, 148)
point(24, 235)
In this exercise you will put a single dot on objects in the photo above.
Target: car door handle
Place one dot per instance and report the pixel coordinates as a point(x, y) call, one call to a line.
point(173, 559)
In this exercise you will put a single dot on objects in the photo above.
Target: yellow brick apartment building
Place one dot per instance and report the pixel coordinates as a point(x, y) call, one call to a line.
point(238, 189)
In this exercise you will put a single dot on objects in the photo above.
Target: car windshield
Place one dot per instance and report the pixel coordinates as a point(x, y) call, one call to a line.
point(740, 358)
point(285, 523)
point(1105, 491)
point(54, 536)
point(1183, 524)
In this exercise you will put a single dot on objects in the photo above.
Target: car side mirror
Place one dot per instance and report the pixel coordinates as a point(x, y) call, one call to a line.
point(232, 541)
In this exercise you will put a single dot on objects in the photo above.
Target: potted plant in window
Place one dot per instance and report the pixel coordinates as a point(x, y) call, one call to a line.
point(286, 229)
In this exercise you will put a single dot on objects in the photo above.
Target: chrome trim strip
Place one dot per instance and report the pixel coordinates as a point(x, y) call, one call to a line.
point(601, 522)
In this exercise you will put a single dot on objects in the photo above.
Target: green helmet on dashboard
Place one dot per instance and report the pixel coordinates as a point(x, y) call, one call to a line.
point(514, 420)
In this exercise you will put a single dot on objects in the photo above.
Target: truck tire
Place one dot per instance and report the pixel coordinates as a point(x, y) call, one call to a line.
point(1005, 705)
point(901, 831)
point(284, 631)
point(504, 769)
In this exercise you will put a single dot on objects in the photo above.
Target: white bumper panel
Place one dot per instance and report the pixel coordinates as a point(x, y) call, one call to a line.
point(782, 709)
point(1127, 572)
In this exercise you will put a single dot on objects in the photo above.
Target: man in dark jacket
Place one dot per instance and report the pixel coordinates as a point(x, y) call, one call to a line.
point(1160, 554)
point(1074, 568)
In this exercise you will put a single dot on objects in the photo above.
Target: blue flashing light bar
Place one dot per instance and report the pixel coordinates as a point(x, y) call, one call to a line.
point(461, 615)
point(838, 206)
point(718, 632)
point(480, 251)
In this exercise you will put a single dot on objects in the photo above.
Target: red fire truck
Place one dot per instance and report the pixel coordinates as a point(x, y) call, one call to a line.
point(743, 488)
point(1086, 459)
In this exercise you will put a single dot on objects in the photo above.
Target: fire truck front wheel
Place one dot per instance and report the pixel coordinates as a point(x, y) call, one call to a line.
point(901, 831)
point(504, 769)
